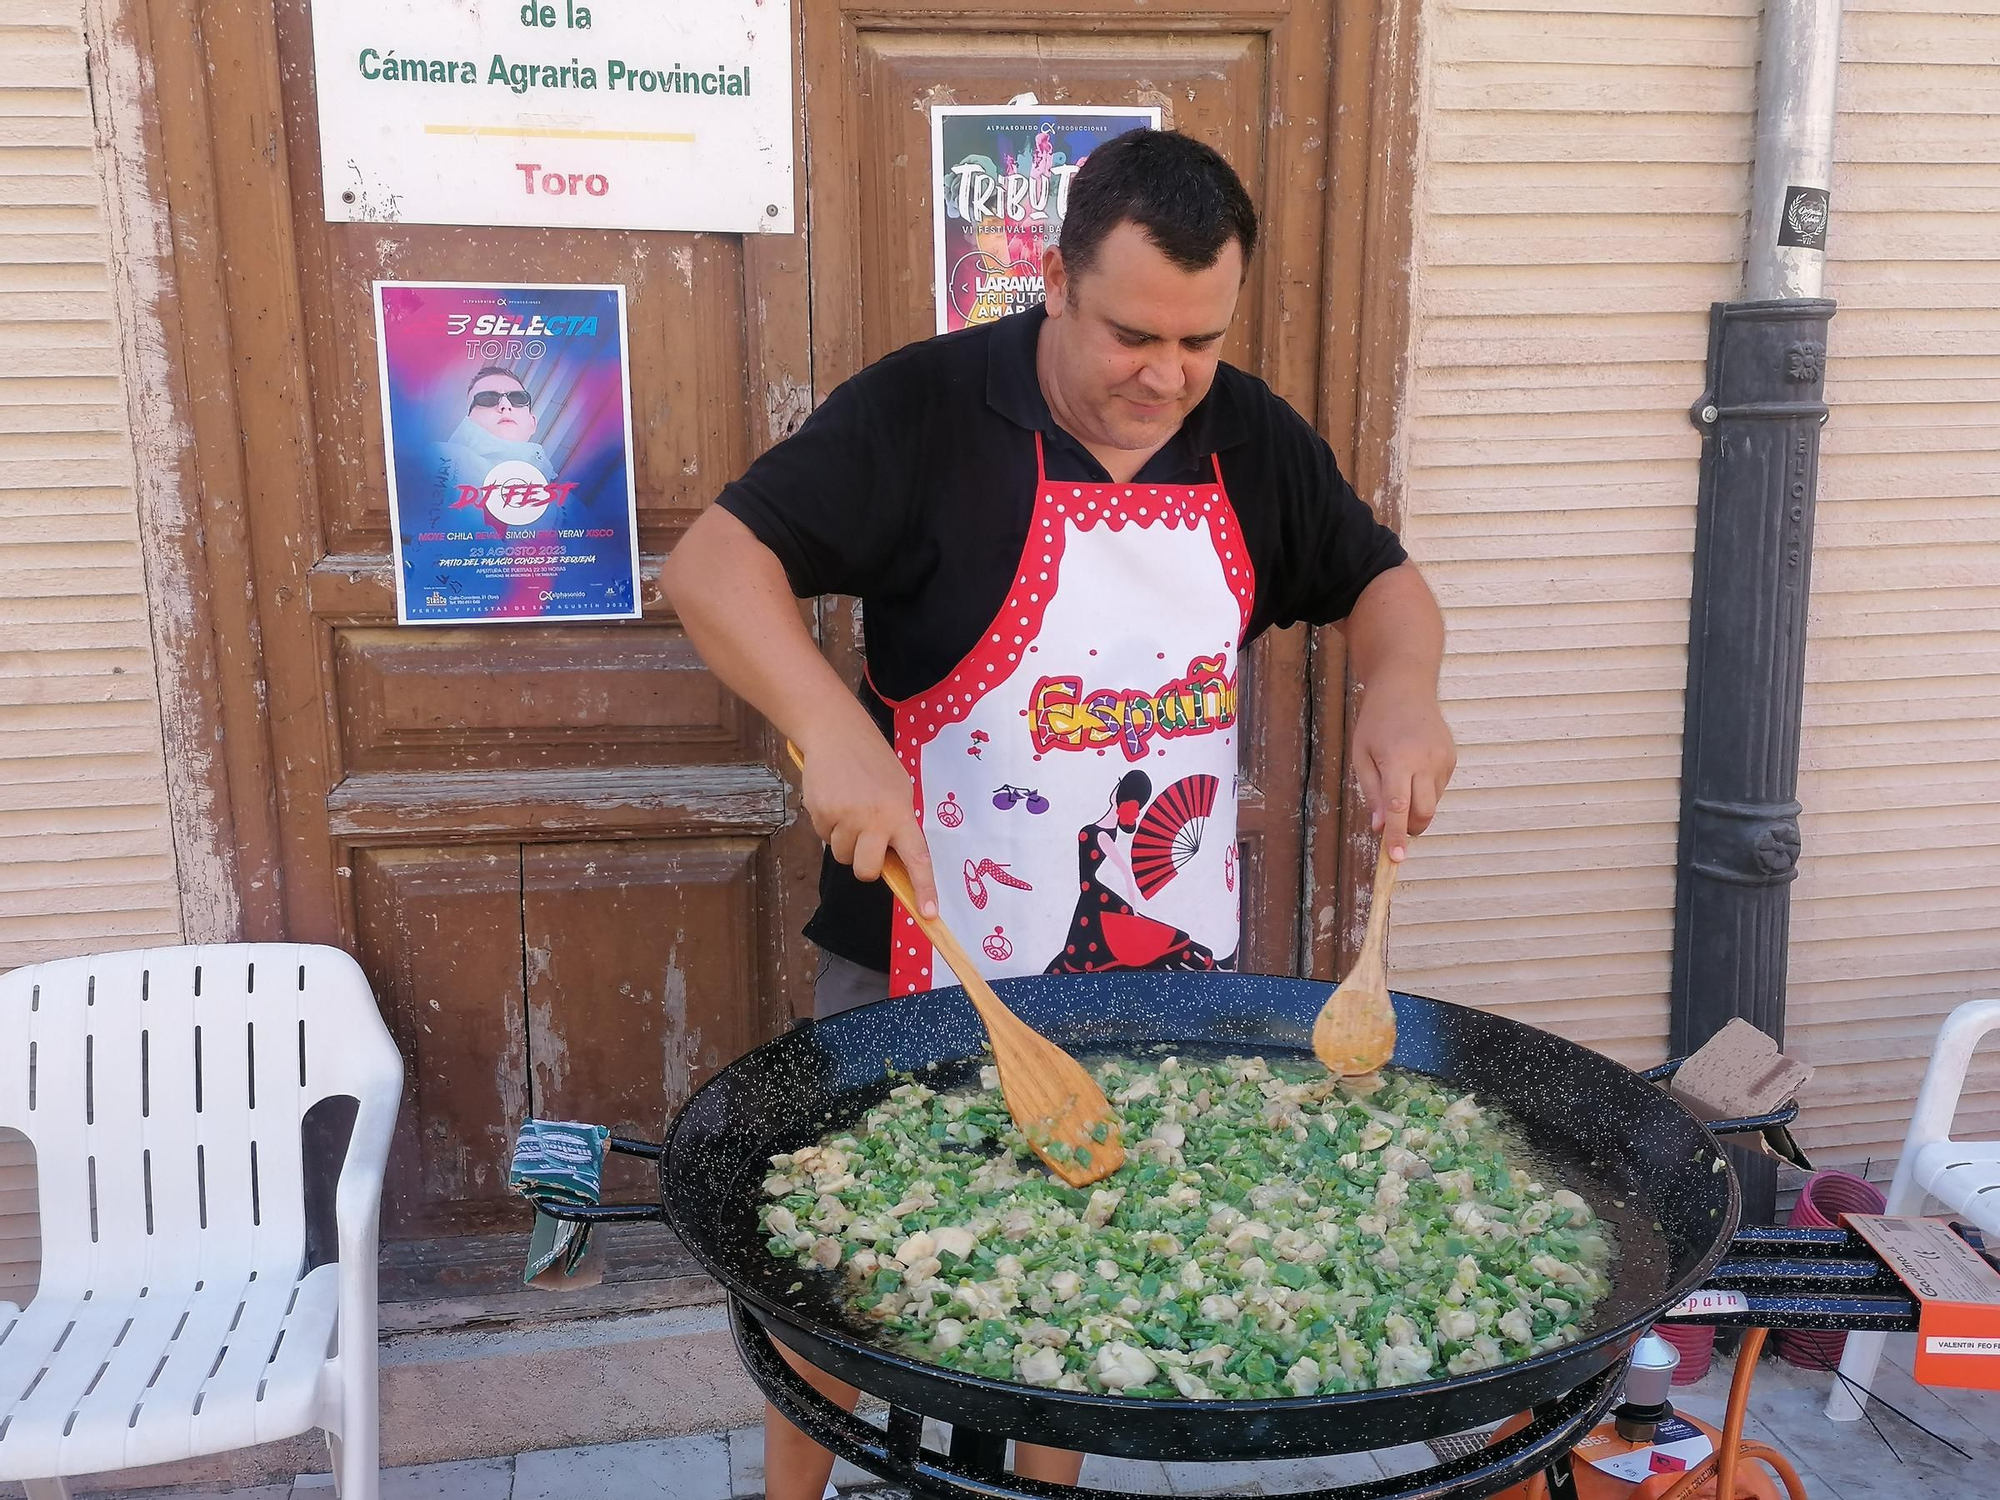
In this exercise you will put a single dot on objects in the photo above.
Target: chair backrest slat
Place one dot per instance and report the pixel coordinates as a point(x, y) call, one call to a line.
point(166, 1100)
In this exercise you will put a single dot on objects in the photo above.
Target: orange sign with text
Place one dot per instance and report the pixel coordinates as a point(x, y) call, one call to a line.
point(1958, 1322)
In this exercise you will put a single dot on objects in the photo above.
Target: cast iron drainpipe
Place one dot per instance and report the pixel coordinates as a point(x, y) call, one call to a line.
point(1759, 419)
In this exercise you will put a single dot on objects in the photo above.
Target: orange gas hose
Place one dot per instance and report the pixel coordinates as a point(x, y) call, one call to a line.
point(1739, 1408)
point(1720, 1466)
point(1778, 1464)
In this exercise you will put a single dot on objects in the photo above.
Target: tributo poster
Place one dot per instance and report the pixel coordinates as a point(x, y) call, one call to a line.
point(1002, 185)
point(507, 415)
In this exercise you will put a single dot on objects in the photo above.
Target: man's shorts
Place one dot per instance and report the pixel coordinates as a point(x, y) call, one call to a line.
point(843, 984)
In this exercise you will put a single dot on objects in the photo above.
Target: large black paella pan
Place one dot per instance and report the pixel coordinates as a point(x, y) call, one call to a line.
point(1646, 1164)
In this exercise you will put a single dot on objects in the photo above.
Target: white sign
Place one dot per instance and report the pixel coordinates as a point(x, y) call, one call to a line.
point(582, 114)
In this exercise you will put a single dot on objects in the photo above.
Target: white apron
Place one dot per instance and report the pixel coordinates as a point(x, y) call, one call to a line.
point(1076, 774)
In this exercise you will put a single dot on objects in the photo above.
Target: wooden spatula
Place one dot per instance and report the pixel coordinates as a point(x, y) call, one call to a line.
point(1057, 1104)
point(1356, 1029)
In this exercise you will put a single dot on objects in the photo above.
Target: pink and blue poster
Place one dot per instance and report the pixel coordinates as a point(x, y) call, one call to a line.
point(507, 416)
point(1000, 185)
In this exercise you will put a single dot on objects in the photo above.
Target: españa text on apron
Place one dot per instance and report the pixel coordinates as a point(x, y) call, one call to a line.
point(1076, 774)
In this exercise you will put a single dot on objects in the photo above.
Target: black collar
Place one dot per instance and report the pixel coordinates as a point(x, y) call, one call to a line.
point(1015, 391)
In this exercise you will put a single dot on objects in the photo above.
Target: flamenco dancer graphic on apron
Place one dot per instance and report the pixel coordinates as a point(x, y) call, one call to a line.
point(1076, 774)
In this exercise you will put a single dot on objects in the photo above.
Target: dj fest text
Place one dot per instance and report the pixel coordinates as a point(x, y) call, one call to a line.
point(1062, 716)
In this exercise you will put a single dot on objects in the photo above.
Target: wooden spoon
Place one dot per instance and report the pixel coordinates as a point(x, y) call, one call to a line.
point(1057, 1104)
point(1356, 1029)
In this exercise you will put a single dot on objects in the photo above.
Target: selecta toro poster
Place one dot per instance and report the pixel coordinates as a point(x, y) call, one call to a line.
point(506, 412)
point(1001, 182)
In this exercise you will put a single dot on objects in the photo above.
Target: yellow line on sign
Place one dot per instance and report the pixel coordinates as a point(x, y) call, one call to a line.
point(554, 133)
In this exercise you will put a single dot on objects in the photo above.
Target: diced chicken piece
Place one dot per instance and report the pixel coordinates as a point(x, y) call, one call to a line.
point(825, 1252)
point(1191, 1386)
point(1515, 1324)
point(948, 1334)
point(1037, 1366)
point(1110, 1270)
point(1303, 1378)
point(1390, 1193)
point(1401, 1364)
point(989, 1077)
point(1017, 1224)
point(1103, 1203)
point(1244, 1235)
point(1121, 1366)
point(1009, 1267)
point(781, 1220)
point(1560, 1272)
point(1064, 1285)
point(1071, 1382)
point(1387, 1258)
point(1376, 1136)
point(956, 1240)
point(1191, 1276)
point(1137, 1089)
point(1224, 1219)
point(1579, 1211)
point(1457, 1324)
point(1218, 1308)
point(1215, 1356)
point(1404, 1162)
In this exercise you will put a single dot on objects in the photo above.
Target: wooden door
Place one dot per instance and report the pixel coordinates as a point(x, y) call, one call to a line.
point(564, 853)
point(1251, 78)
point(566, 856)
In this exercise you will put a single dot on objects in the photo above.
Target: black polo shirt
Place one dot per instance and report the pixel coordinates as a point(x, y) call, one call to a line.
point(911, 488)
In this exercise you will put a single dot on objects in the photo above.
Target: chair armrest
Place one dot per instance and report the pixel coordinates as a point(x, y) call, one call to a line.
point(357, 1203)
point(1951, 1057)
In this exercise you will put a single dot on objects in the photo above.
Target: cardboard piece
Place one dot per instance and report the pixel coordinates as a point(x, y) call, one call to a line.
point(1958, 1292)
point(1740, 1072)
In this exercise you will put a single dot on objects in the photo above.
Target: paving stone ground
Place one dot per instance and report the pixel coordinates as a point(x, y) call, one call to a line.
point(1837, 1461)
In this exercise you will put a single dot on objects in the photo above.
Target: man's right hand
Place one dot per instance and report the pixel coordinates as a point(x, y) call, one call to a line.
point(731, 594)
point(859, 799)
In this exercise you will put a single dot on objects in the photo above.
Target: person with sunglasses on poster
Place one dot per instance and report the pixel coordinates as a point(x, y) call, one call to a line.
point(491, 463)
point(1064, 526)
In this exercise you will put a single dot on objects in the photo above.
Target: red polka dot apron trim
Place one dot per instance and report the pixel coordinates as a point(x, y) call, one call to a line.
point(1075, 773)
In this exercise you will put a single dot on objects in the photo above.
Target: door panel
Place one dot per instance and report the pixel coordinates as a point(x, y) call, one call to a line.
point(415, 773)
point(440, 939)
point(640, 955)
point(578, 695)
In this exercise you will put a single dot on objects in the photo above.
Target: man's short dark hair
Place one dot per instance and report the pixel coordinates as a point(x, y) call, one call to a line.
point(1186, 198)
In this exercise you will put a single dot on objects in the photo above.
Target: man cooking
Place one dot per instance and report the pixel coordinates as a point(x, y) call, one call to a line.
point(1064, 527)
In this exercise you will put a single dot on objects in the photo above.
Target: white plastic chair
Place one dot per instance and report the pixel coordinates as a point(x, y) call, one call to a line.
point(163, 1092)
point(1962, 1175)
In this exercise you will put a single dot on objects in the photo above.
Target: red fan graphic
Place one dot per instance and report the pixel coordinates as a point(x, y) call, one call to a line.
point(1169, 835)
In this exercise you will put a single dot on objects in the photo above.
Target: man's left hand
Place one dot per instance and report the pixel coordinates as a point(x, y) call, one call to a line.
point(1403, 757)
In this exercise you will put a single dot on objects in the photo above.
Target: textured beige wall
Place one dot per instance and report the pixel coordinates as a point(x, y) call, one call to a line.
point(1582, 200)
point(86, 860)
point(1582, 194)
point(1896, 914)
